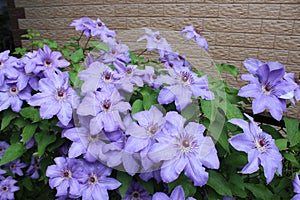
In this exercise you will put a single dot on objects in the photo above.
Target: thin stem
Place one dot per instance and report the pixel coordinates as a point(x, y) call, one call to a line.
point(79, 38)
point(142, 52)
point(86, 43)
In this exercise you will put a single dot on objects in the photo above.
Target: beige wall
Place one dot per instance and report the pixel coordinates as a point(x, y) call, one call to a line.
point(235, 29)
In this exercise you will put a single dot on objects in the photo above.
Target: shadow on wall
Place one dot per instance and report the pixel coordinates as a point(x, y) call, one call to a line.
point(6, 41)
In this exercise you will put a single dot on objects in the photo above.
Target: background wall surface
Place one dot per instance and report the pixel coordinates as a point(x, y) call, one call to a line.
point(235, 29)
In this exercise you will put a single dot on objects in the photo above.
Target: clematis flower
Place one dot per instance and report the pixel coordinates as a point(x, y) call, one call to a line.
point(184, 149)
point(56, 98)
point(8, 188)
point(12, 96)
point(16, 167)
point(33, 169)
point(3, 146)
point(64, 175)
point(268, 88)
point(177, 193)
point(48, 62)
point(146, 176)
point(95, 181)
point(155, 42)
point(98, 28)
point(143, 135)
point(7, 67)
point(136, 192)
point(106, 107)
point(191, 32)
point(259, 146)
point(183, 84)
point(174, 59)
point(291, 78)
point(83, 24)
point(150, 77)
point(296, 185)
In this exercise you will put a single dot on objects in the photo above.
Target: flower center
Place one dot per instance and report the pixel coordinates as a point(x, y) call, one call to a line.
point(261, 143)
point(13, 90)
point(12, 166)
point(99, 25)
point(267, 89)
point(185, 78)
point(67, 174)
point(47, 63)
point(5, 188)
point(107, 76)
point(186, 143)
point(60, 95)
point(151, 130)
point(93, 179)
point(1, 150)
point(129, 71)
point(135, 194)
point(157, 37)
point(106, 104)
point(171, 65)
point(1, 64)
point(197, 31)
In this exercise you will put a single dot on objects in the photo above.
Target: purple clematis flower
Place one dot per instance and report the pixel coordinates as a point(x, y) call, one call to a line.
point(150, 77)
point(12, 96)
point(259, 146)
point(268, 88)
point(64, 175)
point(191, 32)
point(98, 28)
point(16, 167)
point(155, 42)
point(95, 181)
point(143, 135)
point(184, 149)
point(106, 107)
point(48, 62)
point(291, 78)
point(296, 185)
point(136, 192)
point(183, 84)
point(174, 59)
point(56, 98)
point(83, 24)
point(8, 188)
point(7, 67)
point(3, 146)
point(146, 176)
point(177, 194)
point(98, 76)
point(33, 169)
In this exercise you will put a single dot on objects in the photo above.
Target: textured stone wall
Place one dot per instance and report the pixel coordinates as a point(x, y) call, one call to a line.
point(235, 29)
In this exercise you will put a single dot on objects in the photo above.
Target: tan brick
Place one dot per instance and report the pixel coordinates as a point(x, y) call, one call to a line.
point(242, 53)
point(59, 34)
point(39, 3)
point(219, 52)
point(247, 2)
point(281, 1)
point(126, 10)
point(168, 23)
point(246, 25)
point(115, 22)
point(138, 22)
point(289, 11)
point(261, 41)
point(113, 1)
point(216, 24)
point(287, 42)
point(294, 58)
point(204, 10)
point(266, 55)
point(151, 10)
point(196, 22)
point(218, 1)
point(264, 11)
point(277, 26)
point(190, 1)
point(234, 11)
point(223, 39)
point(178, 10)
point(45, 24)
point(210, 37)
point(296, 28)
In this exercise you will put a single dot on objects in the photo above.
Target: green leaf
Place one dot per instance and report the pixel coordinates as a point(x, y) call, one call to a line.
point(149, 185)
point(26, 181)
point(188, 187)
point(125, 179)
point(38, 43)
point(259, 191)
point(281, 144)
point(209, 109)
point(20, 51)
point(149, 97)
point(7, 117)
point(51, 44)
point(191, 112)
point(272, 131)
point(31, 113)
point(219, 183)
point(28, 132)
point(236, 159)
point(75, 80)
point(232, 111)
point(43, 140)
point(99, 46)
point(77, 56)
point(66, 52)
point(292, 126)
point(291, 157)
point(230, 68)
point(137, 106)
point(237, 185)
point(13, 152)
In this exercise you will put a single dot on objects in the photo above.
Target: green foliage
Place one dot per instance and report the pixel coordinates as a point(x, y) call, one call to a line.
point(187, 185)
point(230, 68)
point(219, 183)
point(13, 152)
point(125, 179)
point(43, 140)
point(292, 129)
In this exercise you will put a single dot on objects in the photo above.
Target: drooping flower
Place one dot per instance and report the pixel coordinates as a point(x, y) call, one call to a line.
point(83, 24)
point(8, 188)
point(106, 107)
point(182, 85)
point(57, 97)
point(64, 175)
point(177, 194)
point(48, 61)
point(95, 181)
point(98, 76)
point(144, 133)
point(12, 96)
point(296, 185)
point(184, 149)
point(7, 67)
point(16, 167)
point(136, 192)
point(191, 32)
point(259, 146)
point(155, 42)
point(268, 88)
